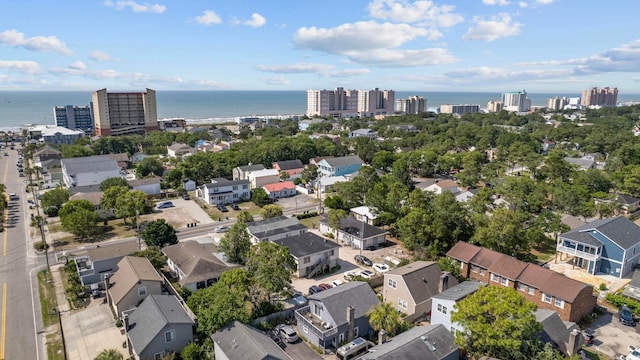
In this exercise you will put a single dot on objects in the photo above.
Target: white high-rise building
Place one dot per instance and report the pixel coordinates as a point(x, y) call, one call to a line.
point(350, 103)
point(411, 105)
point(495, 106)
point(516, 101)
point(459, 109)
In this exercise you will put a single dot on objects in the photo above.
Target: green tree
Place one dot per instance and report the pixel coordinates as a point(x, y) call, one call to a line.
point(73, 205)
point(109, 354)
point(235, 244)
point(384, 316)
point(81, 222)
point(245, 217)
point(498, 322)
point(159, 233)
point(53, 199)
point(150, 165)
point(334, 220)
point(309, 173)
point(505, 232)
point(114, 181)
point(284, 175)
point(75, 150)
point(130, 204)
point(271, 211)
point(193, 352)
point(271, 266)
point(259, 197)
point(111, 195)
point(154, 255)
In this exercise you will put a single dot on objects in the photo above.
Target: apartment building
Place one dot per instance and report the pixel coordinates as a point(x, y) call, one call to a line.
point(495, 106)
point(599, 97)
point(341, 103)
point(459, 109)
point(74, 117)
point(124, 113)
point(411, 105)
point(517, 101)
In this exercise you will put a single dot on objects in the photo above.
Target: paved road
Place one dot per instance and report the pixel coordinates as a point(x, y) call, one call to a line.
point(18, 284)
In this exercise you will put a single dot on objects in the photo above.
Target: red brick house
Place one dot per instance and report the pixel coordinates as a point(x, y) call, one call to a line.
point(570, 298)
point(292, 167)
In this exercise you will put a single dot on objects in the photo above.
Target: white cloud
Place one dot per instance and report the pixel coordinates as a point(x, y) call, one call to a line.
point(621, 59)
point(403, 58)
point(208, 17)
point(345, 73)
point(23, 66)
point(496, 27)
point(78, 65)
point(523, 4)
point(544, 2)
point(496, 2)
point(323, 70)
point(36, 43)
point(101, 56)
point(423, 12)
point(256, 21)
point(278, 80)
point(136, 7)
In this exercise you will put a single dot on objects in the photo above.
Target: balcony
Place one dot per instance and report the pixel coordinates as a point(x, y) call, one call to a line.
point(578, 253)
point(314, 324)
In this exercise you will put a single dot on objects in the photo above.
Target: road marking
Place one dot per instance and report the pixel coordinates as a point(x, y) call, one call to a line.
point(5, 218)
point(4, 319)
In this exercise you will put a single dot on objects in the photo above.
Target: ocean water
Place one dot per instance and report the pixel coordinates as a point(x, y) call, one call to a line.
point(18, 108)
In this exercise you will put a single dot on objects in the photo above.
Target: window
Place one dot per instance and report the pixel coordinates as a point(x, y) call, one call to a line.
point(559, 303)
point(532, 290)
point(393, 283)
point(546, 298)
point(333, 252)
point(504, 281)
point(495, 278)
point(158, 356)
point(475, 268)
point(355, 331)
point(522, 287)
point(482, 271)
point(317, 309)
point(170, 336)
point(307, 259)
point(402, 303)
point(340, 338)
point(305, 328)
point(442, 308)
point(142, 291)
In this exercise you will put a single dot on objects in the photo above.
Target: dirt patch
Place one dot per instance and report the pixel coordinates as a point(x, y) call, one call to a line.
point(176, 217)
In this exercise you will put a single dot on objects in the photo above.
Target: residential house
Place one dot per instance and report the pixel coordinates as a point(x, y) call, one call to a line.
point(177, 149)
point(275, 228)
point(410, 287)
point(223, 191)
point(431, 342)
point(633, 289)
point(313, 254)
point(219, 135)
point(149, 186)
point(259, 178)
point(570, 298)
point(547, 145)
point(194, 264)
point(238, 341)
point(357, 234)
point(339, 165)
point(366, 133)
point(46, 165)
point(303, 125)
point(52, 177)
point(403, 127)
point(135, 279)
point(324, 184)
point(90, 170)
point(188, 185)
point(336, 315)
point(138, 157)
point(364, 213)
point(280, 189)
point(45, 153)
point(628, 203)
point(242, 172)
point(565, 336)
point(94, 198)
point(603, 247)
point(102, 261)
point(582, 163)
point(159, 326)
point(292, 167)
point(316, 160)
point(403, 149)
point(442, 304)
point(466, 195)
point(441, 186)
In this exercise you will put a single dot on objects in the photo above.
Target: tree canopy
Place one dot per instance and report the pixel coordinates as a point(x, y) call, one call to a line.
point(159, 233)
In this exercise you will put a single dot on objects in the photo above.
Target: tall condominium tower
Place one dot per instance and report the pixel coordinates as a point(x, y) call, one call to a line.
point(350, 103)
point(599, 97)
point(557, 103)
point(411, 105)
point(459, 109)
point(124, 113)
point(495, 106)
point(74, 117)
point(516, 101)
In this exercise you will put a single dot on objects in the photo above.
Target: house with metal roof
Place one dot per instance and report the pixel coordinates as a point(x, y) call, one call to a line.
point(313, 254)
point(432, 342)
point(135, 279)
point(337, 166)
point(275, 228)
point(336, 315)
point(159, 326)
point(603, 247)
point(238, 341)
point(357, 234)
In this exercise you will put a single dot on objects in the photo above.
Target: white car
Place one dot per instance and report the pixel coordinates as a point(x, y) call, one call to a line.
point(366, 274)
point(381, 268)
point(221, 229)
point(336, 283)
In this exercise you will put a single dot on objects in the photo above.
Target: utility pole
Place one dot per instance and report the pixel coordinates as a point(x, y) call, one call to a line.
point(138, 230)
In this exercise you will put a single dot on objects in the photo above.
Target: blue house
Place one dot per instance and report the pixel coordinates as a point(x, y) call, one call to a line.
point(339, 165)
point(603, 247)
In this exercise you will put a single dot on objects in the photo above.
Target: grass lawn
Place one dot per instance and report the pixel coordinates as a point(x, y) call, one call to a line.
point(312, 222)
point(50, 319)
point(594, 355)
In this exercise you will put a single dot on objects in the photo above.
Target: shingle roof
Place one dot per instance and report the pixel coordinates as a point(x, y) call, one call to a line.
point(274, 226)
point(150, 318)
point(252, 167)
point(131, 269)
point(279, 186)
point(344, 160)
point(355, 227)
point(626, 199)
point(196, 261)
point(422, 279)
point(102, 252)
point(243, 342)
point(224, 182)
point(619, 229)
point(432, 342)
point(356, 294)
point(289, 164)
point(145, 181)
point(306, 244)
point(508, 267)
point(460, 291)
point(179, 146)
point(93, 197)
point(89, 164)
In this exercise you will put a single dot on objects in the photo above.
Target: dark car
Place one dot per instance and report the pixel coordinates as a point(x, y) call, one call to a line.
point(235, 207)
point(371, 248)
point(361, 259)
point(186, 196)
point(324, 286)
point(314, 289)
point(626, 316)
point(222, 208)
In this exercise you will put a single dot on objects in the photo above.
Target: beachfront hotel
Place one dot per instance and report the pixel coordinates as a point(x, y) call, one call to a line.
point(599, 97)
point(74, 117)
point(411, 105)
point(459, 109)
point(124, 113)
point(517, 101)
point(341, 103)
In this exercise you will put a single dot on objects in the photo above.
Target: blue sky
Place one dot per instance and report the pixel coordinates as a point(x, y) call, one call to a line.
point(543, 46)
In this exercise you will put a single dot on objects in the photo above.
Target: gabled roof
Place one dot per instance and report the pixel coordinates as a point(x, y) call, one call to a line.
point(355, 227)
point(620, 230)
point(306, 244)
point(92, 197)
point(196, 261)
point(432, 342)
point(243, 342)
point(252, 167)
point(344, 161)
point(356, 294)
point(626, 199)
point(46, 150)
point(279, 186)
point(264, 172)
point(554, 330)
point(217, 182)
point(273, 226)
point(460, 291)
point(289, 164)
point(145, 181)
point(179, 146)
point(131, 269)
point(102, 252)
point(88, 164)
point(364, 211)
point(422, 279)
point(148, 320)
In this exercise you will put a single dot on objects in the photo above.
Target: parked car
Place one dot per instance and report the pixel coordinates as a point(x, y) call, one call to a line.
point(381, 268)
point(276, 338)
point(626, 316)
point(222, 208)
point(361, 259)
point(235, 207)
point(221, 229)
point(350, 275)
point(324, 286)
point(336, 283)
point(366, 274)
point(186, 196)
point(287, 333)
point(314, 289)
point(165, 204)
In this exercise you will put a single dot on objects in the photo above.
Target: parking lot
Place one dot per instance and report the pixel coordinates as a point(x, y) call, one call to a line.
point(611, 337)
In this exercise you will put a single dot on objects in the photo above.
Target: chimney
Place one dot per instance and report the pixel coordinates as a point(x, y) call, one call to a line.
point(443, 284)
point(575, 342)
point(382, 337)
point(350, 322)
point(125, 321)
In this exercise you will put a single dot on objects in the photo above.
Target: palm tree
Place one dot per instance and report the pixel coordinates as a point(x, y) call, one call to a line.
point(109, 354)
point(385, 316)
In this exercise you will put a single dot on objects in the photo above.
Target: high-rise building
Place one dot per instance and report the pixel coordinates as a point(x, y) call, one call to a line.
point(516, 101)
point(74, 117)
point(125, 112)
point(350, 103)
point(459, 109)
point(411, 105)
point(557, 103)
point(599, 97)
point(495, 106)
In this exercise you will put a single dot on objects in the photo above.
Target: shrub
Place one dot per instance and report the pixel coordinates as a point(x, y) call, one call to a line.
point(603, 287)
point(306, 215)
point(119, 323)
point(618, 300)
point(41, 245)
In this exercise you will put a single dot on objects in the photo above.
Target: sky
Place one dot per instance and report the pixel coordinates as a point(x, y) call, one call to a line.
point(543, 46)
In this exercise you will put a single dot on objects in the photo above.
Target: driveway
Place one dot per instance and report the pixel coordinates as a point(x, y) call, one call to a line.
point(611, 337)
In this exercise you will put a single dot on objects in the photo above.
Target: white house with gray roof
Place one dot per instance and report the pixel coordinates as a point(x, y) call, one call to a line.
point(242, 172)
point(275, 228)
point(313, 254)
point(238, 341)
point(336, 315)
point(224, 191)
point(357, 234)
point(432, 342)
point(159, 326)
point(195, 264)
point(102, 261)
point(89, 170)
point(337, 166)
point(442, 304)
